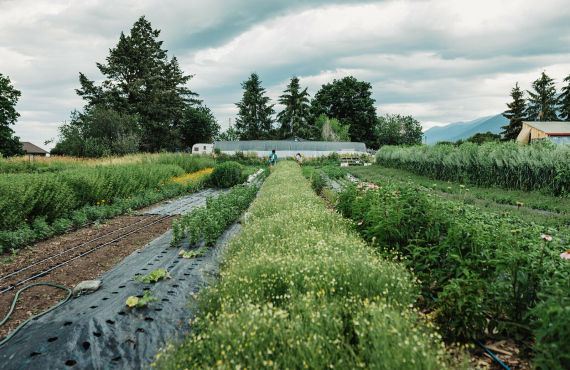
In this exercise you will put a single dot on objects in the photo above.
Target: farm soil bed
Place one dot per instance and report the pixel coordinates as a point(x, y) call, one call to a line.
point(39, 298)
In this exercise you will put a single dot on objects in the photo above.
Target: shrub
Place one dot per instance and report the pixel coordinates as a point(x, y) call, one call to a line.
point(61, 226)
point(226, 175)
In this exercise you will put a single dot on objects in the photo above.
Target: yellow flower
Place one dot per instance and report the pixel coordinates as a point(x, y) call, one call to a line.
point(103, 201)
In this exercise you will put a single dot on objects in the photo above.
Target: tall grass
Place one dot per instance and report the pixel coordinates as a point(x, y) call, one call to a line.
point(25, 196)
point(506, 165)
point(299, 289)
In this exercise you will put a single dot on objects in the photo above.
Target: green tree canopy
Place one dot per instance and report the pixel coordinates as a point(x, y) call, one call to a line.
point(9, 144)
point(394, 129)
point(515, 114)
point(197, 125)
point(254, 117)
point(350, 101)
point(564, 100)
point(294, 118)
point(542, 102)
point(480, 138)
point(99, 132)
point(331, 129)
point(140, 80)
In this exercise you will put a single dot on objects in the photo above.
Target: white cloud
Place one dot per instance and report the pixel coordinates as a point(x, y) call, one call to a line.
point(438, 60)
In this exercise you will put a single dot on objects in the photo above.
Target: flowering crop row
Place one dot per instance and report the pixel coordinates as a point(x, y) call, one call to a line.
point(507, 165)
point(480, 272)
point(300, 289)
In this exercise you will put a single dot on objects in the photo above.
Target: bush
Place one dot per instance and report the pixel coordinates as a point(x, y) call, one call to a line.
point(226, 175)
point(317, 182)
point(61, 226)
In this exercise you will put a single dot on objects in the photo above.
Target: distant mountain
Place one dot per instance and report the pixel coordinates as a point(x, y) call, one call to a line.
point(463, 130)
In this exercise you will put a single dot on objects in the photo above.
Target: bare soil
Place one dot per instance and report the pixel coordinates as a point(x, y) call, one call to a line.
point(39, 298)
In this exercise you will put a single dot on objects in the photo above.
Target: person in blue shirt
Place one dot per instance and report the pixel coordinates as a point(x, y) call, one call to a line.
point(272, 159)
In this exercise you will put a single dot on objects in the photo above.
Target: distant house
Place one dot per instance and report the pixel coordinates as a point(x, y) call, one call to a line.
point(31, 149)
point(556, 131)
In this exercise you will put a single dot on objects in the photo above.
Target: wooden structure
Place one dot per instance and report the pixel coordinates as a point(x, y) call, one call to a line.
point(33, 150)
point(555, 131)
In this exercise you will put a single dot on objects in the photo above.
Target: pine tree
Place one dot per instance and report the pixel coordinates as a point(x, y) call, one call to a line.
point(515, 114)
point(564, 101)
point(254, 120)
point(542, 103)
point(294, 118)
point(9, 144)
point(141, 80)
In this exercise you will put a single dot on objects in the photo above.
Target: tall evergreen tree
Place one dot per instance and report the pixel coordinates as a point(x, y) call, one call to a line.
point(350, 101)
point(542, 102)
point(141, 80)
point(564, 101)
point(9, 144)
point(294, 118)
point(254, 120)
point(515, 114)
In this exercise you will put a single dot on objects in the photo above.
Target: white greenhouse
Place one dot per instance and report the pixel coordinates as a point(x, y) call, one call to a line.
point(289, 148)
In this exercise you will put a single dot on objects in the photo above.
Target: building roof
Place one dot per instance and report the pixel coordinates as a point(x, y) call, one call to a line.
point(287, 145)
point(32, 149)
point(551, 127)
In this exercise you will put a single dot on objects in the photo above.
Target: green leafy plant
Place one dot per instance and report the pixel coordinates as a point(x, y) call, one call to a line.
point(227, 174)
point(192, 254)
point(154, 276)
point(133, 301)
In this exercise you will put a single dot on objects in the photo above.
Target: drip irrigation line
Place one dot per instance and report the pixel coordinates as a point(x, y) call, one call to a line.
point(9, 336)
point(70, 249)
point(45, 272)
point(493, 355)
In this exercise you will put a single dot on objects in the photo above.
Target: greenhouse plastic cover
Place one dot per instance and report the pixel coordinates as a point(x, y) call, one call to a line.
point(288, 148)
point(98, 331)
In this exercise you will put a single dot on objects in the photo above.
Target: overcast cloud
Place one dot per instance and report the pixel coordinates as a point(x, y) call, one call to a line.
point(439, 60)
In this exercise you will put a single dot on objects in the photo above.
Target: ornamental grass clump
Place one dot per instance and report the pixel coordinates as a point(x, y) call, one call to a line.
point(300, 289)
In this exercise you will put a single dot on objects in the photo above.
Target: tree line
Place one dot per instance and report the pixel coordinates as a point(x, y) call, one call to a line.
point(342, 110)
point(144, 104)
point(543, 103)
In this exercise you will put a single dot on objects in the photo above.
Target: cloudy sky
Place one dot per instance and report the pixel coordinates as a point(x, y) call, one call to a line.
point(441, 61)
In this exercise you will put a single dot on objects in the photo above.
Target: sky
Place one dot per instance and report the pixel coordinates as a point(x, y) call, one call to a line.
point(440, 61)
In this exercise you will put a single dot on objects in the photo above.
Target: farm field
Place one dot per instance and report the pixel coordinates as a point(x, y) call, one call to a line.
point(51, 196)
point(486, 274)
point(543, 167)
point(546, 209)
point(299, 288)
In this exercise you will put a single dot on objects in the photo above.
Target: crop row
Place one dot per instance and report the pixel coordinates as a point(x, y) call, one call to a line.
point(480, 272)
point(300, 289)
point(26, 196)
point(39, 229)
point(507, 165)
point(209, 222)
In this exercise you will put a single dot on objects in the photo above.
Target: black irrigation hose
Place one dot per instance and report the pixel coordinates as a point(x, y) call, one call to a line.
point(9, 336)
point(45, 272)
point(69, 250)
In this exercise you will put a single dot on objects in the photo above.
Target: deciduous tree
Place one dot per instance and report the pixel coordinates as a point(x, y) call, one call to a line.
point(350, 101)
point(9, 144)
point(394, 129)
